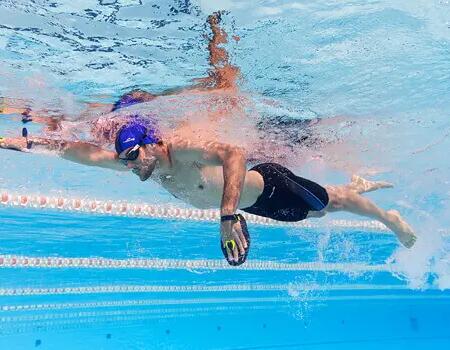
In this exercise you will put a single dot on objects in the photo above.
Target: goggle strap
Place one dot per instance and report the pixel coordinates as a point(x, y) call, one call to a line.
point(135, 148)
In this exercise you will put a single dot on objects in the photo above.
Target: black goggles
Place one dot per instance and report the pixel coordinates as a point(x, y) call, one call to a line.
point(130, 153)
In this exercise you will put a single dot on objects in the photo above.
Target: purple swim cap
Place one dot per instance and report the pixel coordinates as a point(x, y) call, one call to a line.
point(134, 134)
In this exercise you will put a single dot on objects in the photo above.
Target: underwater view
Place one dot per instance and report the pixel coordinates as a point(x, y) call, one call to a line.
point(232, 174)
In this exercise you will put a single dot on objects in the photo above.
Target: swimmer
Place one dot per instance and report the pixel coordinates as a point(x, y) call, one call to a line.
point(207, 174)
point(214, 175)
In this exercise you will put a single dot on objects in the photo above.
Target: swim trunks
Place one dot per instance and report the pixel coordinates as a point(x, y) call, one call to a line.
point(286, 197)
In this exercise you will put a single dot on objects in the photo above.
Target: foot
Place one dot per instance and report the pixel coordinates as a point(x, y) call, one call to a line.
point(403, 231)
point(362, 185)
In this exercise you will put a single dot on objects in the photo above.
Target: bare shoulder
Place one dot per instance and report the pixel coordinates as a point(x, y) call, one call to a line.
point(200, 150)
point(184, 144)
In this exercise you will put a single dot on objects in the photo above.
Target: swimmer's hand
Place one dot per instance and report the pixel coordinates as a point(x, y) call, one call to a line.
point(231, 231)
point(14, 143)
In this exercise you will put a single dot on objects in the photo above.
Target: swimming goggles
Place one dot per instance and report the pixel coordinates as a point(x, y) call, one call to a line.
point(130, 153)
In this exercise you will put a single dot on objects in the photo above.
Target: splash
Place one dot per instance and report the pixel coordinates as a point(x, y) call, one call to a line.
point(426, 264)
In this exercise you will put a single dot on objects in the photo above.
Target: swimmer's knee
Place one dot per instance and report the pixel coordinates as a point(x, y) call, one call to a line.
point(337, 197)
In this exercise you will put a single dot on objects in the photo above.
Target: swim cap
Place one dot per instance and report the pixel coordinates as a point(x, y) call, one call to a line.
point(131, 98)
point(134, 134)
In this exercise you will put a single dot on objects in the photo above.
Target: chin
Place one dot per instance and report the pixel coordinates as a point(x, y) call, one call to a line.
point(146, 172)
point(144, 177)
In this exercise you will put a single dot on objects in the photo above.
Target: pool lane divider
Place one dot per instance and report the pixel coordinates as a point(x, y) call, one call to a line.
point(208, 301)
point(11, 261)
point(177, 289)
point(93, 315)
point(14, 324)
point(121, 208)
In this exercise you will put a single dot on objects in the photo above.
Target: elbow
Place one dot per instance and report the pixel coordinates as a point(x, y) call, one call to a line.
point(94, 158)
point(239, 151)
point(237, 154)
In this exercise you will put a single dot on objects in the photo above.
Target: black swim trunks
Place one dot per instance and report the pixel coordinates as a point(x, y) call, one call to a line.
point(286, 197)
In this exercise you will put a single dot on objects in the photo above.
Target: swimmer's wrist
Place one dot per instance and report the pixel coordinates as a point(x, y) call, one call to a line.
point(227, 211)
point(225, 218)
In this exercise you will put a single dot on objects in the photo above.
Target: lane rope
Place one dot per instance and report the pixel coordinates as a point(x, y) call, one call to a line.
point(13, 261)
point(73, 317)
point(202, 301)
point(121, 208)
point(171, 289)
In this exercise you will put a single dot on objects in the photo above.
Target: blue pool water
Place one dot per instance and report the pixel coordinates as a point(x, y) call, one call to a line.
point(377, 74)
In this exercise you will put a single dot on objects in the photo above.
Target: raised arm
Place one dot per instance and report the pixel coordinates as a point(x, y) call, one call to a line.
point(78, 152)
point(222, 75)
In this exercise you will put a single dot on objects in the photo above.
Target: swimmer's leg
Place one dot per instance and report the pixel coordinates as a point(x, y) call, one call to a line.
point(361, 185)
point(341, 198)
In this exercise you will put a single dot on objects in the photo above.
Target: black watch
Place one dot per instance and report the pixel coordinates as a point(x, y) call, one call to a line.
point(234, 217)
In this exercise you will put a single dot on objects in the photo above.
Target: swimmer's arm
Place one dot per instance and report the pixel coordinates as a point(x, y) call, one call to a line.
point(82, 153)
point(231, 158)
point(234, 170)
point(78, 152)
point(87, 154)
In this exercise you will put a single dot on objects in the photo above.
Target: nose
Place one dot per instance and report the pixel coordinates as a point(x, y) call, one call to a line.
point(130, 165)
